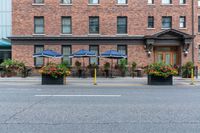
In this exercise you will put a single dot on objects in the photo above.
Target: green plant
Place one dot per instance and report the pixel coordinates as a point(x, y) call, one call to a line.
point(187, 69)
point(78, 65)
point(55, 70)
point(123, 66)
point(106, 66)
point(161, 70)
point(66, 64)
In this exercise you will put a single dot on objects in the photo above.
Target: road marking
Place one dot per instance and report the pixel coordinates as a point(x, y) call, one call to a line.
point(78, 95)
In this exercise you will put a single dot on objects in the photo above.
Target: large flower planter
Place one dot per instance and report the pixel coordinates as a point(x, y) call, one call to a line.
point(49, 80)
point(157, 80)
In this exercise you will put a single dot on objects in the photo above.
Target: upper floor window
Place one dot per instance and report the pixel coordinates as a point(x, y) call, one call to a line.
point(38, 1)
point(122, 1)
point(66, 25)
point(66, 1)
point(150, 1)
point(94, 25)
point(198, 2)
point(166, 1)
point(199, 52)
point(150, 22)
point(182, 1)
point(166, 22)
point(121, 25)
point(93, 1)
point(182, 21)
point(39, 25)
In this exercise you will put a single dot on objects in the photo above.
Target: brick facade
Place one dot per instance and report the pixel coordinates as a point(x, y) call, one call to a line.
point(137, 12)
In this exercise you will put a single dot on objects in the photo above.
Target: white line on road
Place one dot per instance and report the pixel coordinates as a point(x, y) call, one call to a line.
point(78, 95)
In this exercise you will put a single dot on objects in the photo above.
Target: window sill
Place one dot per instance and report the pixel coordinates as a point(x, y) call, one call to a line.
point(183, 4)
point(151, 28)
point(166, 4)
point(93, 4)
point(37, 4)
point(65, 34)
point(165, 28)
point(90, 34)
point(150, 4)
point(121, 34)
point(121, 4)
point(65, 4)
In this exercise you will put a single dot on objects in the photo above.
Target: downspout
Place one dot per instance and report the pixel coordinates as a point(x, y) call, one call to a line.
point(193, 32)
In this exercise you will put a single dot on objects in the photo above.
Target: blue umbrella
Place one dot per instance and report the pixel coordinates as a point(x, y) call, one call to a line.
point(48, 53)
point(83, 53)
point(113, 54)
point(5, 43)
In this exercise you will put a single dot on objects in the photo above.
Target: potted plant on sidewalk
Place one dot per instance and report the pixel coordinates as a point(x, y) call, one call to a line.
point(133, 67)
point(187, 69)
point(123, 67)
point(78, 68)
point(54, 74)
point(160, 74)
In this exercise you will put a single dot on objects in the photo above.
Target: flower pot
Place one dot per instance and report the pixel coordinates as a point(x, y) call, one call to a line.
point(49, 80)
point(157, 80)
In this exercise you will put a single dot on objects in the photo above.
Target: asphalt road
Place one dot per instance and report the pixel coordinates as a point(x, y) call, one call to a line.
point(115, 107)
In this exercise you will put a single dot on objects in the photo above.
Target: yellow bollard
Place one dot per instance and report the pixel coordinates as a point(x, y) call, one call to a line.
point(192, 76)
point(95, 76)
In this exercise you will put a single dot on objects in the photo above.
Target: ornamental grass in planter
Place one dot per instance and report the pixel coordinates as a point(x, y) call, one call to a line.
point(160, 74)
point(54, 74)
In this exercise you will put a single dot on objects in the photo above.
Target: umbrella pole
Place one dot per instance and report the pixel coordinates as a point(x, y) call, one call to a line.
point(112, 68)
point(83, 68)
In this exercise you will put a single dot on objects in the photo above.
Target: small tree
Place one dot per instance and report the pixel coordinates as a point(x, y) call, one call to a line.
point(123, 67)
point(133, 67)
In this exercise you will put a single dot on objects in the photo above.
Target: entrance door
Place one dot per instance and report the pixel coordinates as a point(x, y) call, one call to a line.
point(167, 55)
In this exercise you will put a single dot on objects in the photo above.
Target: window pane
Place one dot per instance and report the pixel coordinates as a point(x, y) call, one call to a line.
point(166, 22)
point(121, 25)
point(122, 1)
point(39, 25)
point(66, 1)
point(66, 25)
point(94, 1)
point(66, 51)
point(122, 49)
point(150, 1)
point(166, 1)
point(94, 60)
point(94, 25)
point(38, 1)
point(150, 22)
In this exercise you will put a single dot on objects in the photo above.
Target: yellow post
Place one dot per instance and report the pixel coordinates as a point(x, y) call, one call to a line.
point(95, 76)
point(192, 76)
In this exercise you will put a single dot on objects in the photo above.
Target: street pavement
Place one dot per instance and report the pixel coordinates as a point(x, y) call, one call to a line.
point(118, 105)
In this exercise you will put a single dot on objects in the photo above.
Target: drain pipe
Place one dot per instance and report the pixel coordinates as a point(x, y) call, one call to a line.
point(193, 32)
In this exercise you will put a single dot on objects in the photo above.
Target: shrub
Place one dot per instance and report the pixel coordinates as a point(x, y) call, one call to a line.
point(106, 66)
point(161, 69)
point(187, 69)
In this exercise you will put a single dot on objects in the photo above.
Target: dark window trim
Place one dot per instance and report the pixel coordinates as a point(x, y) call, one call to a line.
point(67, 45)
point(170, 21)
point(185, 23)
point(36, 57)
point(125, 17)
point(97, 55)
point(98, 25)
point(150, 23)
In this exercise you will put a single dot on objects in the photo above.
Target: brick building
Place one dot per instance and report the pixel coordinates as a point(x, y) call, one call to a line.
point(146, 30)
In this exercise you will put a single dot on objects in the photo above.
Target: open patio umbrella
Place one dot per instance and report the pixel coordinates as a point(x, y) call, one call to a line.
point(113, 54)
point(83, 54)
point(48, 54)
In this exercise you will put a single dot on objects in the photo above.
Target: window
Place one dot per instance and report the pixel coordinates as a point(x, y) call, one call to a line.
point(150, 22)
point(182, 21)
point(93, 1)
point(166, 22)
point(198, 2)
point(38, 1)
point(166, 1)
point(66, 25)
point(150, 1)
point(199, 52)
point(94, 25)
point(182, 1)
point(39, 25)
point(38, 61)
point(66, 1)
point(122, 1)
point(94, 60)
point(66, 51)
point(198, 23)
point(122, 49)
point(121, 25)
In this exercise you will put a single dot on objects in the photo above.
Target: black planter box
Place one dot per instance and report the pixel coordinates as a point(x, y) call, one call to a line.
point(157, 80)
point(48, 80)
